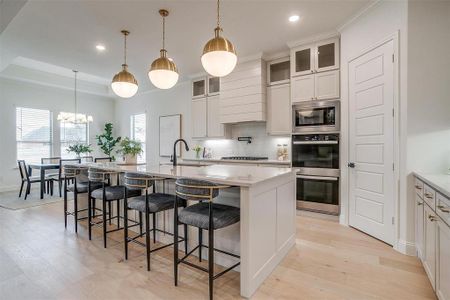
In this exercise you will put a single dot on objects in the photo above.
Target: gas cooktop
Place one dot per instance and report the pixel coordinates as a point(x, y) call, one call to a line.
point(244, 158)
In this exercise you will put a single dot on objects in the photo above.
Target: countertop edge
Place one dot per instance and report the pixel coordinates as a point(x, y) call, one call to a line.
point(442, 190)
point(268, 162)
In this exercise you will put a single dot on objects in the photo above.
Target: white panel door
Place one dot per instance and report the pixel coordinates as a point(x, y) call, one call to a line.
point(371, 142)
point(199, 118)
point(302, 88)
point(326, 85)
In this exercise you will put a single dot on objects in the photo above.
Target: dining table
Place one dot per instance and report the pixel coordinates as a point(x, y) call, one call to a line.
point(42, 169)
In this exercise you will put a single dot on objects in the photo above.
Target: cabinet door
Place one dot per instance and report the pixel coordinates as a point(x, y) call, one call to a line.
point(442, 260)
point(215, 128)
point(302, 60)
point(429, 241)
point(199, 88)
point(279, 71)
point(327, 55)
point(419, 226)
point(326, 85)
point(279, 109)
point(213, 86)
point(302, 88)
point(199, 118)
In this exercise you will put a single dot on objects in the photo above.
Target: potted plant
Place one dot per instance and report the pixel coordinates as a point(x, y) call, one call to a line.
point(107, 142)
point(130, 149)
point(197, 150)
point(79, 149)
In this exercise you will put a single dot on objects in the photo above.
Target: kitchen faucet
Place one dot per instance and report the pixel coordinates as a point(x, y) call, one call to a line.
point(174, 158)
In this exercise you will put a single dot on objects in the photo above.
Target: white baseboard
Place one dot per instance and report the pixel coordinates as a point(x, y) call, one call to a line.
point(405, 247)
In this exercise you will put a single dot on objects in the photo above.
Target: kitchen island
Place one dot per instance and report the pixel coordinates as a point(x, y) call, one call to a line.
point(266, 197)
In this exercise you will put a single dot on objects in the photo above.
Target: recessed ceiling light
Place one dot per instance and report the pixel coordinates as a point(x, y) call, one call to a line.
point(100, 47)
point(294, 18)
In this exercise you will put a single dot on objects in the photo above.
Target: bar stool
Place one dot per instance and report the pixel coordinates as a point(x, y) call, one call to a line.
point(107, 194)
point(148, 204)
point(209, 216)
point(79, 176)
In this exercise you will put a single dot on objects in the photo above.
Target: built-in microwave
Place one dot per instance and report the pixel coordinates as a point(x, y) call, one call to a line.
point(316, 116)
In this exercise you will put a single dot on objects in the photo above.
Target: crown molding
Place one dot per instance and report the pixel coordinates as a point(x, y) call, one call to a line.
point(313, 39)
point(357, 15)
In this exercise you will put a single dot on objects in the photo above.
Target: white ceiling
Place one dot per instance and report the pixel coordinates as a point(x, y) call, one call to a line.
point(64, 32)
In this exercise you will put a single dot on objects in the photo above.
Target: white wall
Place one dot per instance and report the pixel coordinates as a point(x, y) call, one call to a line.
point(428, 144)
point(15, 93)
point(156, 103)
point(382, 20)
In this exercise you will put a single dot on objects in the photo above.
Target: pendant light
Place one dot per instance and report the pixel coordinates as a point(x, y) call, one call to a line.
point(75, 118)
point(219, 56)
point(124, 84)
point(163, 71)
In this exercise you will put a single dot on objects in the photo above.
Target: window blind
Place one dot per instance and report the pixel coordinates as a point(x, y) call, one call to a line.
point(138, 132)
point(33, 134)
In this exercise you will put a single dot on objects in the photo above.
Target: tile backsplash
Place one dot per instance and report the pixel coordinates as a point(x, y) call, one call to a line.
point(261, 145)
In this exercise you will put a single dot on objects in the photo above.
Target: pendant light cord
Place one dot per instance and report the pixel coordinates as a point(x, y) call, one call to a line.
point(164, 33)
point(218, 13)
point(125, 49)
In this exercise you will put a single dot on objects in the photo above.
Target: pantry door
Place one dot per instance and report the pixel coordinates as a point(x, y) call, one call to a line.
point(371, 142)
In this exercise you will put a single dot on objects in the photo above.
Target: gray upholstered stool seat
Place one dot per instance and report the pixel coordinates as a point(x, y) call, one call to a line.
point(156, 202)
point(116, 192)
point(82, 187)
point(198, 215)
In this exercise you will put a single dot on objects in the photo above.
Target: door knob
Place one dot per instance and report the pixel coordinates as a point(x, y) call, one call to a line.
point(351, 165)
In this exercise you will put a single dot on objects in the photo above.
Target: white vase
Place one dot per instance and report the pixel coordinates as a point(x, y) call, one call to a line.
point(130, 159)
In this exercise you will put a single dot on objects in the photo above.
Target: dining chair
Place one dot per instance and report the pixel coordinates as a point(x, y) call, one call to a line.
point(51, 173)
point(103, 159)
point(60, 178)
point(25, 177)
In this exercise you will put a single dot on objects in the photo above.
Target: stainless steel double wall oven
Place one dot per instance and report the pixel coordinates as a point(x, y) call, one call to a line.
point(315, 155)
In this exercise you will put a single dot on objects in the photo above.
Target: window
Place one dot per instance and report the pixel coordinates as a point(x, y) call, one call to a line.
point(138, 133)
point(33, 134)
point(71, 133)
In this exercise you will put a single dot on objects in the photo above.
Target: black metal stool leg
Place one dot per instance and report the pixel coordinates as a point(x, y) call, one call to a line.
point(185, 239)
point(65, 203)
point(125, 223)
point(104, 219)
point(91, 212)
point(200, 243)
point(211, 253)
point(140, 222)
point(175, 241)
point(109, 212)
point(147, 230)
point(154, 227)
point(93, 207)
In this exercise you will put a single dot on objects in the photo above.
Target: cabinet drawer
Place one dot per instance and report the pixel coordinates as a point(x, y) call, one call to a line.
point(418, 186)
point(443, 208)
point(429, 196)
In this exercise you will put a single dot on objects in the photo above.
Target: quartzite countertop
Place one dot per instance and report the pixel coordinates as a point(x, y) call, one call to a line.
point(266, 197)
point(235, 175)
point(440, 182)
point(239, 161)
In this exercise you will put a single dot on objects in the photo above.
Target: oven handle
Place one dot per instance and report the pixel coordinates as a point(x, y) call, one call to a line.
point(317, 177)
point(316, 142)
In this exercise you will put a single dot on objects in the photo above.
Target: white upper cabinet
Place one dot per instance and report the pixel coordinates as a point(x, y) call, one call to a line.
point(199, 119)
point(317, 57)
point(278, 71)
point(279, 110)
point(327, 55)
point(302, 88)
point(199, 88)
point(213, 86)
point(215, 129)
point(326, 85)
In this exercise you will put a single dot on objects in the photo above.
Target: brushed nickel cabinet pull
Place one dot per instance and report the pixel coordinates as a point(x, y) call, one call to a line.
point(418, 187)
point(443, 209)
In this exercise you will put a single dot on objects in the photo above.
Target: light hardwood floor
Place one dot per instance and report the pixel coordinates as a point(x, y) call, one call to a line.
point(41, 260)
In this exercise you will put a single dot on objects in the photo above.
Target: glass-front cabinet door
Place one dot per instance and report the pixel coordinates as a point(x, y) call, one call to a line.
point(199, 88)
point(327, 55)
point(278, 71)
point(302, 61)
point(213, 86)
